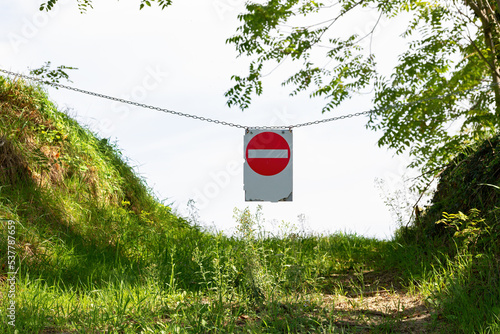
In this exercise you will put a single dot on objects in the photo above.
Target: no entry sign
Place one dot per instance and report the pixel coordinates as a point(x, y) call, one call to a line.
point(268, 153)
point(268, 165)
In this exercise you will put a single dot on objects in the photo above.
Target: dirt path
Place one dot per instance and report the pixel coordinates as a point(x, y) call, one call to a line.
point(375, 303)
point(393, 311)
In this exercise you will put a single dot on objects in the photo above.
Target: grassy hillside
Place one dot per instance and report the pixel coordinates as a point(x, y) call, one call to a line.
point(97, 253)
point(76, 202)
point(82, 217)
point(464, 220)
point(470, 182)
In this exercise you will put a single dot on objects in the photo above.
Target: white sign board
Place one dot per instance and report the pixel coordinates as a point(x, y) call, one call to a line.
point(268, 172)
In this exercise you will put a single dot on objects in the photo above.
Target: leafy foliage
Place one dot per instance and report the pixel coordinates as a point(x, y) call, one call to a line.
point(83, 5)
point(53, 76)
point(468, 229)
point(451, 53)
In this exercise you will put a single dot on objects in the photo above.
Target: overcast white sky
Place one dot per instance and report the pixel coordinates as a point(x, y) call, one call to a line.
point(178, 59)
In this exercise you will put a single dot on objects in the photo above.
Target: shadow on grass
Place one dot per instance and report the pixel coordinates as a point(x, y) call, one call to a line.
point(43, 229)
point(301, 317)
point(83, 258)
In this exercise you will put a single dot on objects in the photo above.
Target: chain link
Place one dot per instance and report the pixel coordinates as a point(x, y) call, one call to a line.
point(216, 121)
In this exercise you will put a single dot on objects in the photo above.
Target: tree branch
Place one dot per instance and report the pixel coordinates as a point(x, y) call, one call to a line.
point(340, 15)
point(483, 57)
point(476, 10)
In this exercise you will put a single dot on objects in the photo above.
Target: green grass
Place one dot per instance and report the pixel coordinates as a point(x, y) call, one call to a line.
point(97, 253)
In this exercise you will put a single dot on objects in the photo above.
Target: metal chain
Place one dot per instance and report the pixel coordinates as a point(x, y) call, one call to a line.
point(112, 98)
point(394, 106)
point(338, 118)
point(210, 120)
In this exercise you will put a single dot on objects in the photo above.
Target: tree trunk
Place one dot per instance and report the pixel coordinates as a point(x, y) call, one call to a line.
point(489, 39)
point(487, 11)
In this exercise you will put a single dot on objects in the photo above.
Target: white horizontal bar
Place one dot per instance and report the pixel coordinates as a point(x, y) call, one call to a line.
point(267, 154)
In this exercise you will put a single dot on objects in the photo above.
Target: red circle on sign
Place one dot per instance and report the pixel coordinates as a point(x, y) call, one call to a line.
point(268, 153)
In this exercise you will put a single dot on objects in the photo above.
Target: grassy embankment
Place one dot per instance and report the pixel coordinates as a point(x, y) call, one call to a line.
point(97, 253)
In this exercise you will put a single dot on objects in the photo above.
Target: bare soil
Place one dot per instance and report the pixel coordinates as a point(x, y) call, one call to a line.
point(375, 302)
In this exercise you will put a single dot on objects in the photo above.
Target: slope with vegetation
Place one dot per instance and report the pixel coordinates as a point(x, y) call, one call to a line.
point(97, 253)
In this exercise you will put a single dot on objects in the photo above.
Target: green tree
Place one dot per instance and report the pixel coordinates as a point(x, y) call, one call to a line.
point(452, 63)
